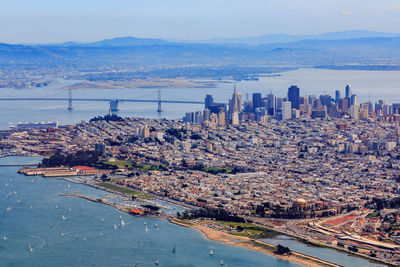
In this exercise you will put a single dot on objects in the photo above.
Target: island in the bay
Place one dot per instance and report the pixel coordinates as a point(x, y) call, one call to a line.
point(324, 170)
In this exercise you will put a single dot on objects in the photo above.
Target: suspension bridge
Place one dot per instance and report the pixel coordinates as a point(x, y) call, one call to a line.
point(114, 103)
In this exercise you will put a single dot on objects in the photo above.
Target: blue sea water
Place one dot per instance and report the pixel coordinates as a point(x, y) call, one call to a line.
point(68, 231)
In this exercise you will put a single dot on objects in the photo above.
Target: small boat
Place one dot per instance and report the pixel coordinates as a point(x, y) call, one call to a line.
point(174, 249)
point(56, 206)
point(14, 192)
point(85, 238)
point(4, 237)
point(115, 226)
point(30, 207)
point(62, 234)
point(122, 222)
point(147, 229)
point(156, 262)
point(8, 209)
point(6, 184)
point(69, 186)
point(101, 234)
point(145, 223)
point(19, 201)
point(63, 217)
point(221, 262)
point(70, 209)
point(211, 252)
point(30, 248)
point(102, 219)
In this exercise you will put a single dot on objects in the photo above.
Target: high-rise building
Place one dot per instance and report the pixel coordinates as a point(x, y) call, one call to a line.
point(325, 100)
point(294, 96)
point(235, 118)
point(209, 101)
point(235, 104)
point(337, 96)
point(353, 100)
point(348, 91)
point(286, 110)
point(257, 102)
point(271, 104)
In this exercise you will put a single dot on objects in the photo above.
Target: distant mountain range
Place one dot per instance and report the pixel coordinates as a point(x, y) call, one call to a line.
point(349, 49)
point(285, 38)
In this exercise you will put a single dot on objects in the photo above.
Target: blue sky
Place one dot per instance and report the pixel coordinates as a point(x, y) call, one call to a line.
point(44, 21)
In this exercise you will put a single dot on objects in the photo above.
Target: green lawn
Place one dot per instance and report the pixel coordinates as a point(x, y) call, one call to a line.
point(129, 165)
point(251, 230)
point(124, 190)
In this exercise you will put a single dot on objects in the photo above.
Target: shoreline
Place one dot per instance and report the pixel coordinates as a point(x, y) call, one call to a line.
point(253, 244)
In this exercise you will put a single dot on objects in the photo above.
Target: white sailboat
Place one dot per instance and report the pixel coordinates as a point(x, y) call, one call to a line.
point(156, 226)
point(147, 229)
point(8, 209)
point(4, 237)
point(122, 222)
point(144, 223)
point(222, 262)
point(30, 248)
point(115, 226)
point(156, 262)
point(211, 252)
point(63, 217)
point(101, 234)
point(56, 206)
point(102, 219)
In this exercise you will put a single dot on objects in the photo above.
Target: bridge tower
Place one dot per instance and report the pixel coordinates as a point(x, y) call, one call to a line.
point(70, 99)
point(114, 106)
point(159, 110)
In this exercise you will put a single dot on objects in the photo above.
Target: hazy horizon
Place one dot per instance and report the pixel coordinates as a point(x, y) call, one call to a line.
point(48, 21)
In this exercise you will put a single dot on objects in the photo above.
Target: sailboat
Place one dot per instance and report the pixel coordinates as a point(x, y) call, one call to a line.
point(8, 209)
point(101, 234)
point(222, 262)
point(122, 222)
point(56, 206)
point(63, 217)
point(30, 248)
point(145, 223)
point(174, 249)
point(4, 237)
point(6, 184)
point(70, 209)
point(102, 219)
point(211, 252)
point(115, 226)
point(147, 229)
point(156, 262)
point(156, 226)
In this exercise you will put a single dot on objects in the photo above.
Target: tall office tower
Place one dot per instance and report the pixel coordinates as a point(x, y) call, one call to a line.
point(294, 96)
point(221, 118)
point(311, 99)
point(209, 101)
point(385, 110)
point(354, 112)
point(271, 104)
point(278, 104)
point(325, 100)
point(337, 96)
point(344, 104)
point(378, 109)
point(235, 104)
point(303, 100)
point(206, 115)
point(353, 100)
point(348, 91)
point(257, 102)
point(235, 118)
point(286, 110)
point(396, 108)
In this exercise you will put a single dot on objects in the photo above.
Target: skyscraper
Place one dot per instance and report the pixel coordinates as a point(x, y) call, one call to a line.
point(235, 104)
point(286, 110)
point(209, 101)
point(348, 91)
point(294, 96)
point(353, 100)
point(257, 103)
point(271, 104)
point(337, 96)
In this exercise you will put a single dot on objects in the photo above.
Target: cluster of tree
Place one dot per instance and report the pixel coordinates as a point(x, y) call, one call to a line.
point(353, 248)
point(107, 118)
point(383, 203)
point(218, 214)
point(281, 250)
point(86, 158)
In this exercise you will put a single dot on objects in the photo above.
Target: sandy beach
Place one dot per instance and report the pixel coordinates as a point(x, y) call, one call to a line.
point(248, 243)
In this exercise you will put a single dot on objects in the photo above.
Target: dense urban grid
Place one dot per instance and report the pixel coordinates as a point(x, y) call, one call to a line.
point(330, 163)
